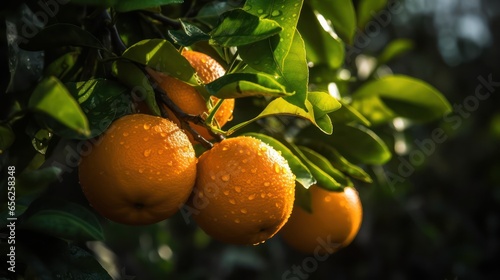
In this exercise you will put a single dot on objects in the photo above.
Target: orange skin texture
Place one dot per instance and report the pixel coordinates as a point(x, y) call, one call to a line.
point(139, 171)
point(244, 191)
point(188, 99)
point(336, 219)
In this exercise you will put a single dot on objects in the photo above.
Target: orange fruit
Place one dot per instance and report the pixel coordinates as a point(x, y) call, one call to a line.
point(139, 171)
point(333, 223)
point(244, 191)
point(188, 99)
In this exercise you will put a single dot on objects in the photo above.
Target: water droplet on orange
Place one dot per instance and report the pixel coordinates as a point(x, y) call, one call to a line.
point(263, 195)
point(328, 199)
point(170, 163)
point(147, 126)
point(213, 177)
point(226, 192)
point(147, 152)
point(251, 197)
point(237, 221)
point(237, 189)
point(160, 152)
point(267, 184)
point(141, 170)
point(277, 168)
point(254, 170)
point(232, 201)
point(226, 177)
point(244, 211)
point(125, 134)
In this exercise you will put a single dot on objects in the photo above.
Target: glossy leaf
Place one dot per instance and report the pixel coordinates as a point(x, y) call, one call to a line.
point(347, 114)
point(323, 178)
point(52, 98)
point(239, 28)
point(392, 96)
point(281, 107)
point(341, 14)
point(269, 55)
point(367, 9)
point(62, 35)
point(323, 103)
point(127, 5)
point(63, 219)
point(37, 180)
point(394, 49)
point(102, 100)
point(321, 46)
point(246, 84)
point(302, 173)
point(325, 165)
point(162, 56)
point(295, 74)
point(62, 66)
point(189, 34)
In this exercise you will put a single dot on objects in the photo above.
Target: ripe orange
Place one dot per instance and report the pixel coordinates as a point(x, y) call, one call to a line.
point(188, 99)
point(333, 223)
point(140, 171)
point(244, 191)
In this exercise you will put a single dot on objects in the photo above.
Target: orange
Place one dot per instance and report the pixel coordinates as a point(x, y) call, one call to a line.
point(188, 99)
point(333, 223)
point(139, 171)
point(244, 191)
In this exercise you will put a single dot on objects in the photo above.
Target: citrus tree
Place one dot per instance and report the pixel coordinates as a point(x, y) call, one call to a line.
point(284, 81)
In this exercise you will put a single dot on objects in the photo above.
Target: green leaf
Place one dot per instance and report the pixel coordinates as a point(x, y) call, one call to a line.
point(63, 219)
point(347, 114)
point(162, 56)
point(189, 34)
point(325, 165)
point(61, 35)
point(210, 13)
point(246, 84)
point(62, 66)
point(321, 46)
point(392, 96)
point(269, 55)
point(360, 145)
point(127, 5)
point(295, 74)
point(52, 98)
point(323, 103)
point(395, 48)
point(323, 178)
point(302, 174)
point(367, 9)
point(7, 137)
point(338, 161)
point(341, 14)
point(102, 100)
point(133, 77)
point(240, 28)
point(281, 107)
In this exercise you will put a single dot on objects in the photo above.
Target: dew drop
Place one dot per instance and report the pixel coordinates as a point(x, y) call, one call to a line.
point(269, 194)
point(294, 15)
point(170, 163)
point(277, 204)
point(244, 211)
point(213, 177)
point(267, 184)
point(163, 134)
point(263, 195)
point(232, 201)
point(254, 170)
point(226, 192)
point(237, 221)
point(146, 138)
point(160, 152)
point(276, 13)
point(147, 152)
point(241, 151)
point(251, 197)
point(237, 189)
point(328, 199)
point(225, 148)
point(277, 168)
point(147, 126)
point(125, 134)
point(260, 11)
point(247, 7)
point(226, 177)
point(141, 170)
point(121, 142)
point(245, 161)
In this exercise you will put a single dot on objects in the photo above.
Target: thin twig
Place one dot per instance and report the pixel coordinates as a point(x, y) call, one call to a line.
point(163, 19)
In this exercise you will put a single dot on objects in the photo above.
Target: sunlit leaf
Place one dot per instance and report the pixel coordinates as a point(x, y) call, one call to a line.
point(367, 9)
point(239, 27)
point(295, 75)
point(392, 96)
point(321, 47)
point(347, 114)
point(37, 180)
point(238, 85)
point(189, 34)
point(325, 165)
point(302, 173)
point(341, 14)
point(52, 98)
point(323, 178)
